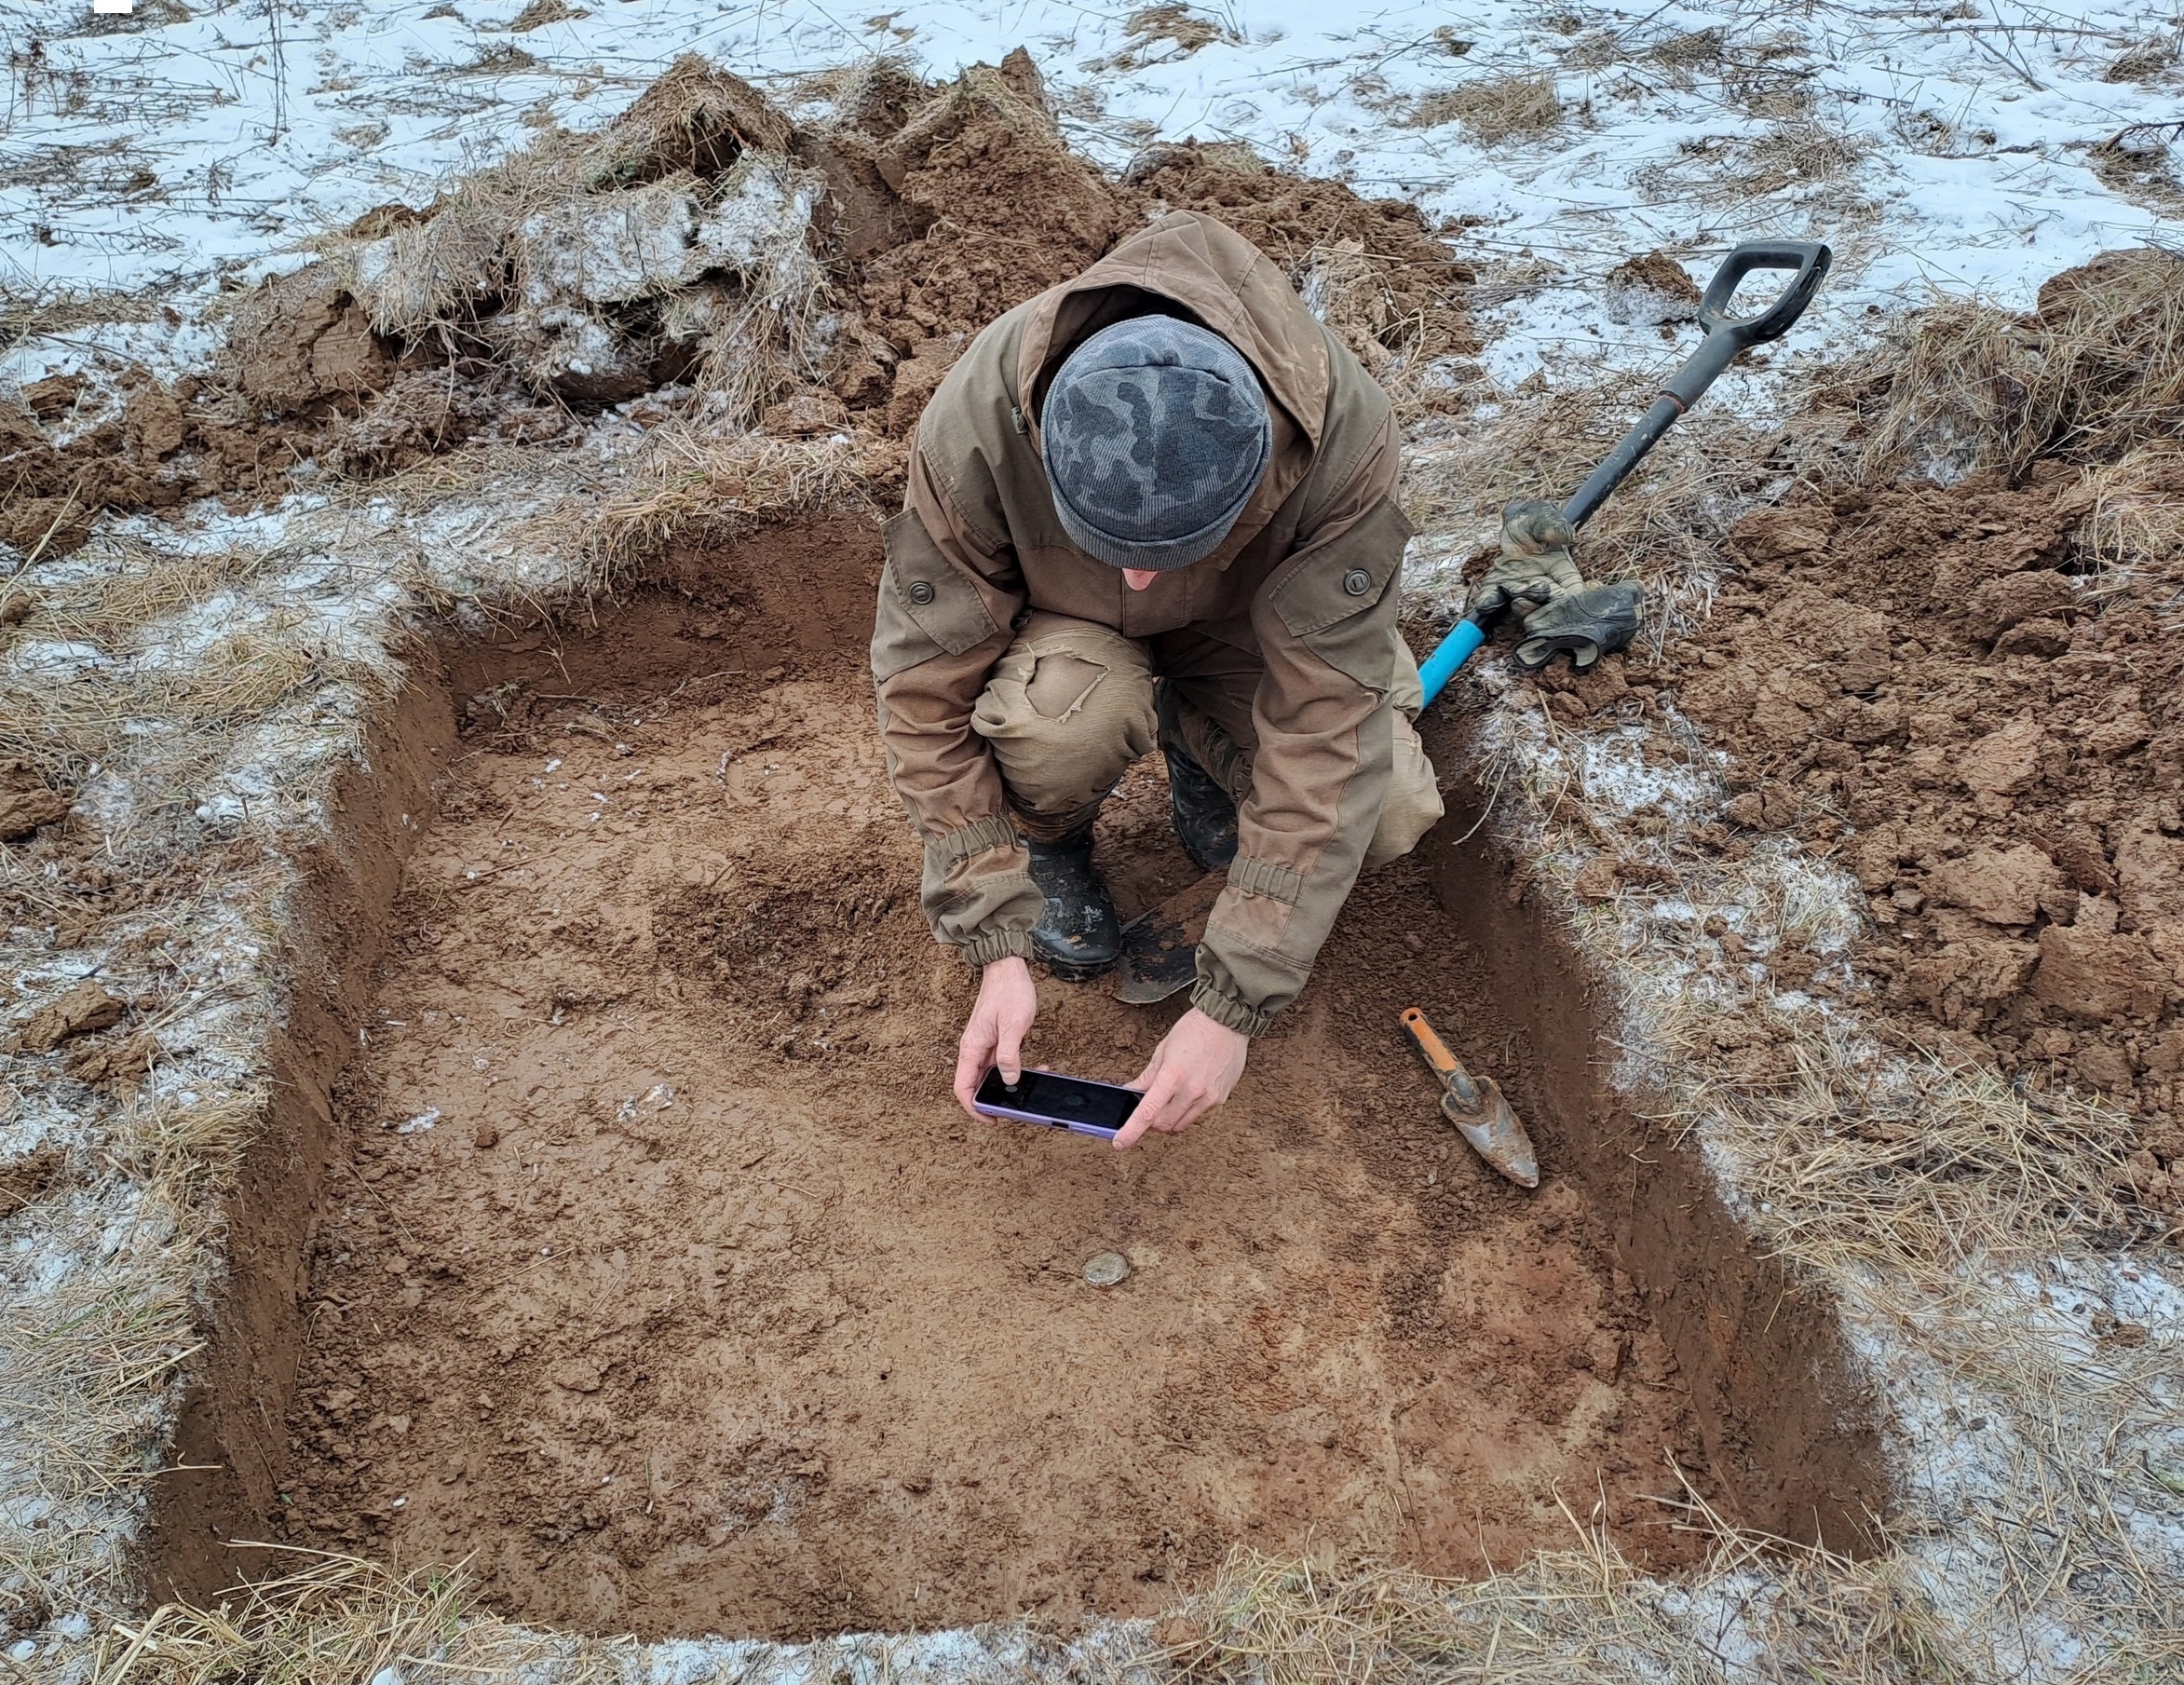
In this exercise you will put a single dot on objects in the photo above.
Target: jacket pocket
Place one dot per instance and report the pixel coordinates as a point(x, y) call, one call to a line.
point(927, 605)
point(1341, 600)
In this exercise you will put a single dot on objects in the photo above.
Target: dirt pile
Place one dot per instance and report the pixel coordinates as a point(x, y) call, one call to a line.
point(1944, 688)
point(998, 209)
point(700, 244)
point(664, 1280)
point(1370, 267)
point(1003, 211)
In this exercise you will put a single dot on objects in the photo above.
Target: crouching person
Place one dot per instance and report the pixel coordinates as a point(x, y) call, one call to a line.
point(1152, 507)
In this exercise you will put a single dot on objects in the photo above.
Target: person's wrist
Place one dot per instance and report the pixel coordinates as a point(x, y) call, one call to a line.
point(1234, 1035)
point(1007, 965)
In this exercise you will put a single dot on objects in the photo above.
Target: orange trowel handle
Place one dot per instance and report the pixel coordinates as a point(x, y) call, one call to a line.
point(1430, 1045)
point(1447, 1067)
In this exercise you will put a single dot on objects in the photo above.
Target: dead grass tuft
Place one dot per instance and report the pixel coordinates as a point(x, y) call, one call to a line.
point(1495, 108)
point(2134, 509)
point(338, 1621)
point(41, 312)
point(689, 479)
point(1161, 34)
point(2094, 373)
point(1583, 1613)
point(539, 13)
point(150, 662)
point(2146, 61)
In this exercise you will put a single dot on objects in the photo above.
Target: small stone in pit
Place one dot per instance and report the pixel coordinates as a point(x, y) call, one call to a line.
point(487, 1137)
point(1412, 941)
point(1106, 1269)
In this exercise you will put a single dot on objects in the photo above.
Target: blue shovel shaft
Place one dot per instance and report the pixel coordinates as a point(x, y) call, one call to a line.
point(1452, 652)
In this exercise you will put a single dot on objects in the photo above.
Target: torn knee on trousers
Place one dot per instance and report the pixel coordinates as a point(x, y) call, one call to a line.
point(1060, 685)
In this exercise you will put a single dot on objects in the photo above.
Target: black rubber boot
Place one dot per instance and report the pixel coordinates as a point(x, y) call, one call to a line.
point(1078, 935)
point(1203, 816)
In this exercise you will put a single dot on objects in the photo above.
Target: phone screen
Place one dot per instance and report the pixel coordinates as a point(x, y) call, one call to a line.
point(1042, 1096)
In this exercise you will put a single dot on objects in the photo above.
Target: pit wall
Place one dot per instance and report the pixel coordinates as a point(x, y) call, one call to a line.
point(1791, 1425)
point(231, 1447)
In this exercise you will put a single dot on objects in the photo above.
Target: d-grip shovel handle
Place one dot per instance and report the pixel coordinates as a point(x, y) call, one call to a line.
point(1808, 258)
point(1727, 337)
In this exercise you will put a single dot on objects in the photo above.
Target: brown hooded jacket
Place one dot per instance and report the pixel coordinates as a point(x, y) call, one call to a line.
point(1307, 581)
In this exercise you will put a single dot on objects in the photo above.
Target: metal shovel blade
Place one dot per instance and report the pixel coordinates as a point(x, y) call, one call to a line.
point(1493, 1130)
point(1159, 947)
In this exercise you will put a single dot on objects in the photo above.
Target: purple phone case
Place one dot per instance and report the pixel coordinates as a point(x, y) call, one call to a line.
point(1094, 1130)
point(1032, 1116)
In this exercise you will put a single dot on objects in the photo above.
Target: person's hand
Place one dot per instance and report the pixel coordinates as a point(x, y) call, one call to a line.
point(1008, 1001)
point(1535, 566)
point(1192, 1071)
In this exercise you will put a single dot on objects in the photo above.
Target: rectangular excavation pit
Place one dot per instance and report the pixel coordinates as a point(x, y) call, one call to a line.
point(638, 1254)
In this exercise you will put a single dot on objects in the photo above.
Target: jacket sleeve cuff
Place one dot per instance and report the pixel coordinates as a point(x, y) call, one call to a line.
point(990, 945)
point(1228, 1012)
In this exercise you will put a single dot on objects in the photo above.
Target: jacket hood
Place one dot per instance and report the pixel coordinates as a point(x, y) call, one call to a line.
point(1216, 276)
point(1220, 280)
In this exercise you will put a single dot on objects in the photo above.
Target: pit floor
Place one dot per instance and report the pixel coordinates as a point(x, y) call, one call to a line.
point(661, 1278)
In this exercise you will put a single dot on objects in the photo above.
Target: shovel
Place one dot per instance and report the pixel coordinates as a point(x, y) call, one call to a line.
point(1727, 339)
point(1159, 946)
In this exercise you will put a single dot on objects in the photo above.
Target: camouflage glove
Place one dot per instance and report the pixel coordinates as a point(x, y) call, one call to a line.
point(1587, 622)
point(1535, 566)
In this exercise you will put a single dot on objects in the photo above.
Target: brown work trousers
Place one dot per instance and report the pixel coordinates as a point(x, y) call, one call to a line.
point(1069, 706)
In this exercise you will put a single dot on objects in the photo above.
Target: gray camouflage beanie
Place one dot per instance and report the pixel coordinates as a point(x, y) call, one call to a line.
point(1156, 435)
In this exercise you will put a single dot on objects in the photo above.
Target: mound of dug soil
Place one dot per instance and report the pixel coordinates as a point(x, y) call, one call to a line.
point(700, 243)
point(1929, 682)
point(1002, 210)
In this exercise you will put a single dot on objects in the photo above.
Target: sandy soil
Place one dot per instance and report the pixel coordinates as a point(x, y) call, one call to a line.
point(664, 1276)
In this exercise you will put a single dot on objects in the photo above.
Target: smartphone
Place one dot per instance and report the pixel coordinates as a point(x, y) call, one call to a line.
point(1071, 1103)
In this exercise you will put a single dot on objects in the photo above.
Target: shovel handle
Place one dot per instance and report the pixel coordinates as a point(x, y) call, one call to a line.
point(1727, 338)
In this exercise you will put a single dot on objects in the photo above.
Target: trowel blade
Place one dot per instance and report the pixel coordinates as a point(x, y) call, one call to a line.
point(1160, 949)
point(1493, 1132)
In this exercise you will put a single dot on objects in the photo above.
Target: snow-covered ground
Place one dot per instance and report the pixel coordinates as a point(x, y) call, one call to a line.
point(1938, 146)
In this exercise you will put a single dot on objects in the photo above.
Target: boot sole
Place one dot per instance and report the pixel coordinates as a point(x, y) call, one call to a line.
point(1077, 971)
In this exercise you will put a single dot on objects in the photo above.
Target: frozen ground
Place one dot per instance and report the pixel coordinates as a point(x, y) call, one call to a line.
point(1938, 146)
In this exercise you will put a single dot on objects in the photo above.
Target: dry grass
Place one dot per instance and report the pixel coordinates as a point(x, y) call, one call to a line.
point(1795, 163)
point(1496, 108)
point(340, 1621)
point(152, 664)
point(1161, 34)
point(1571, 1617)
point(2096, 372)
point(41, 312)
point(84, 1365)
point(2146, 61)
point(2134, 509)
point(539, 13)
point(692, 479)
